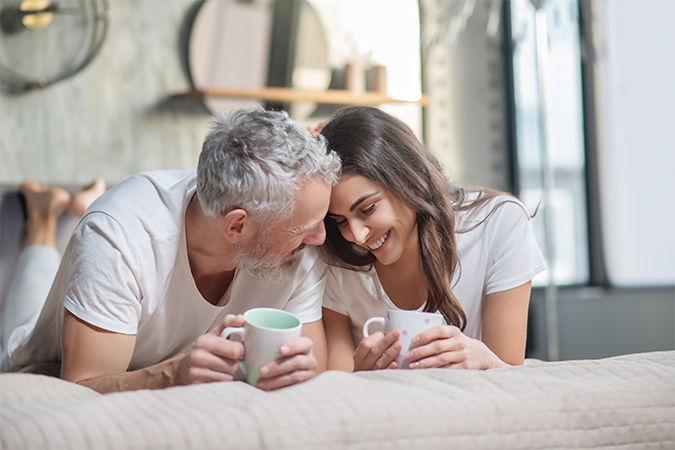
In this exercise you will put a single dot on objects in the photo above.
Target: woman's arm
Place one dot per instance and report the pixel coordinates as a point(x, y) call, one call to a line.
point(504, 324)
point(338, 341)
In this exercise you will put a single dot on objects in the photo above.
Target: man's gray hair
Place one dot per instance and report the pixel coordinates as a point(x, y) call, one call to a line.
point(257, 160)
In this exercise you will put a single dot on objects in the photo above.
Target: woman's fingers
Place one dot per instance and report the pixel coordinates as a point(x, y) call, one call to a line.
point(373, 348)
point(388, 356)
point(446, 346)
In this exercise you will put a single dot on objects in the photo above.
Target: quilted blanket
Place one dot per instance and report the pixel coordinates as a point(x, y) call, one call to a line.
point(626, 401)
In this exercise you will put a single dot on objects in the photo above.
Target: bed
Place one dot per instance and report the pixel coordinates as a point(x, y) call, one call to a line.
point(624, 401)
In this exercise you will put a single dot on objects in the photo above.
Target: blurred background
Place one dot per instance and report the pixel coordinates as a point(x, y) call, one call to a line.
point(568, 104)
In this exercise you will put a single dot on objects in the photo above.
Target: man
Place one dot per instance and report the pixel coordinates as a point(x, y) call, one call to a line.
point(164, 261)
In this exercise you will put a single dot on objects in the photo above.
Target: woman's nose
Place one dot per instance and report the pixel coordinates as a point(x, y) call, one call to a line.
point(358, 231)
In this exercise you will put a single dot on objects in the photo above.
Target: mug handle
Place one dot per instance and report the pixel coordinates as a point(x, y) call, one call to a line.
point(236, 331)
point(372, 320)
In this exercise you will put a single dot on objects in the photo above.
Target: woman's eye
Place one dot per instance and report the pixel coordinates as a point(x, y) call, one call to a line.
point(339, 223)
point(369, 210)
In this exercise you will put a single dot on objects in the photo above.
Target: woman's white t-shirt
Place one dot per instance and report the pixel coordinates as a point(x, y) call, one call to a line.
point(126, 270)
point(498, 255)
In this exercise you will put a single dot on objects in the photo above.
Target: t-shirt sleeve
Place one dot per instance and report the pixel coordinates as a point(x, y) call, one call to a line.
point(514, 255)
point(333, 299)
point(102, 285)
point(305, 301)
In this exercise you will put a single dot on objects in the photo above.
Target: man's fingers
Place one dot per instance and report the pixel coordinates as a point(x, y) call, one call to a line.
point(223, 348)
point(287, 371)
point(288, 365)
point(298, 376)
point(230, 320)
point(204, 359)
point(301, 345)
point(200, 375)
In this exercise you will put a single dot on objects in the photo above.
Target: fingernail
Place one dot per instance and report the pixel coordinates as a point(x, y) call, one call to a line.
point(408, 355)
point(284, 350)
point(415, 340)
point(264, 370)
point(414, 365)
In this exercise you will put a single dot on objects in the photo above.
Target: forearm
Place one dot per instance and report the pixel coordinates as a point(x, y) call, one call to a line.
point(159, 376)
point(495, 362)
point(505, 325)
point(339, 342)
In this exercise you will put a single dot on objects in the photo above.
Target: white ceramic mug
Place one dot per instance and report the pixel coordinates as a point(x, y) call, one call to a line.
point(409, 323)
point(265, 331)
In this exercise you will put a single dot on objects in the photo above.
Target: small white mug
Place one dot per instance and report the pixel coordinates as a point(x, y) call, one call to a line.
point(265, 331)
point(409, 323)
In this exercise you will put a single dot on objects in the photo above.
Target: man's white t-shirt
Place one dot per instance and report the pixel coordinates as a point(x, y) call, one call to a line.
point(126, 270)
point(498, 255)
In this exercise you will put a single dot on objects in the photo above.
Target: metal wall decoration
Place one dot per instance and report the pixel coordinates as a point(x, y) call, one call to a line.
point(43, 42)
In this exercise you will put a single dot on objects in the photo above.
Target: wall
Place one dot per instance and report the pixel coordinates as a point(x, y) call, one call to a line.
point(111, 120)
point(600, 323)
point(466, 124)
point(635, 73)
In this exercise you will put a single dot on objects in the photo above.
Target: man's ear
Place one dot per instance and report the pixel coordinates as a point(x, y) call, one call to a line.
point(238, 226)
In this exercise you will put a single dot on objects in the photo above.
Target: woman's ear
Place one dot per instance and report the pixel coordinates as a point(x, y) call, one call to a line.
point(238, 226)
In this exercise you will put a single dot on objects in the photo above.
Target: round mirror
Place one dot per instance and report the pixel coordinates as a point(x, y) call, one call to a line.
point(257, 44)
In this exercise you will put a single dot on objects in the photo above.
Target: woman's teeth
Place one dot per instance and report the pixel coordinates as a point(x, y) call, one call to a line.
point(379, 242)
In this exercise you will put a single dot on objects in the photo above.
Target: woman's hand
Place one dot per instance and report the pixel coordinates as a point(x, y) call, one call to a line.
point(378, 351)
point(447, 347)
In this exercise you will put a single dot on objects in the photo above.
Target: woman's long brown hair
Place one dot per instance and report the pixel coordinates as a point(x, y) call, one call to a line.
point(382, 148)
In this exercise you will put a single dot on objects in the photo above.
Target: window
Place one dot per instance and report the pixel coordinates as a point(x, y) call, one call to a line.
point(550, 159)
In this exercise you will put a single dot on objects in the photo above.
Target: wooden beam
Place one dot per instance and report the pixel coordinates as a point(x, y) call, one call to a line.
point(290, 95)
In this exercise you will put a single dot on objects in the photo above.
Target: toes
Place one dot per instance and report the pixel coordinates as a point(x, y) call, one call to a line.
point(86, 197)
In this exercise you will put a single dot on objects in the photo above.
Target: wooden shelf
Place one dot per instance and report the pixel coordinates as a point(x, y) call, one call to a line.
point(290, 95)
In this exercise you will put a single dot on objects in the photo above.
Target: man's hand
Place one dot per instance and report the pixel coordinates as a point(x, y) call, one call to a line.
point(211, 357)
point(297, 365)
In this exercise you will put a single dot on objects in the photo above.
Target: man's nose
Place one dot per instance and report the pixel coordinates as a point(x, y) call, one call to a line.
point(317, 236)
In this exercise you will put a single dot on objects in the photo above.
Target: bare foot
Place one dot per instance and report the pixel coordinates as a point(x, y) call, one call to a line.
point(44, 205)
point(81, 201)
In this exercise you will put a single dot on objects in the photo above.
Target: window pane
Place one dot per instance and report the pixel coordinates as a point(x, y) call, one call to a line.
point(549, 129)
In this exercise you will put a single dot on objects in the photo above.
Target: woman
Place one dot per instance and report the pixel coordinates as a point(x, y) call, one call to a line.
point(400, 236)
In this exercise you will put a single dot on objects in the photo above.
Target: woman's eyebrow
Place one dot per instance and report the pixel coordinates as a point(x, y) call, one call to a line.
point(361, 200)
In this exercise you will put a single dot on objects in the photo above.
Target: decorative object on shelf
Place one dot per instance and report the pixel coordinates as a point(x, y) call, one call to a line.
point(43, 42)
point(253, 46)
point(284, 54)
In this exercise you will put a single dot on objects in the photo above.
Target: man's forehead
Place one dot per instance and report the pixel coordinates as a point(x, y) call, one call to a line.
point(298, 228)
point(309, 209)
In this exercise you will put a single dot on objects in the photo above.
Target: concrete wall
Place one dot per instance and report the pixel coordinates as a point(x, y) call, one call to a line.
point(599, 323)
point(110, 120)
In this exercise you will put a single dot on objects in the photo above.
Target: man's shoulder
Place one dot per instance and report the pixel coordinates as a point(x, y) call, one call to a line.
point(149, 183)
point(149, 203)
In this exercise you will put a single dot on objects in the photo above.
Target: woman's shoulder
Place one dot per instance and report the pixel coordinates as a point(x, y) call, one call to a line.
point(347, 275)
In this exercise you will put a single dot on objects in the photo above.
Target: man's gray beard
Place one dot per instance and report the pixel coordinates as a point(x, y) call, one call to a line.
point(269, 272)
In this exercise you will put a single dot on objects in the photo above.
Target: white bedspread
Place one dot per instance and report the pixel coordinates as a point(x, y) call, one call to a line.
point(626, 401)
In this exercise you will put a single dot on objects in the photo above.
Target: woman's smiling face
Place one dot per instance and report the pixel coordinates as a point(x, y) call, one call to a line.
point(369, 215)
